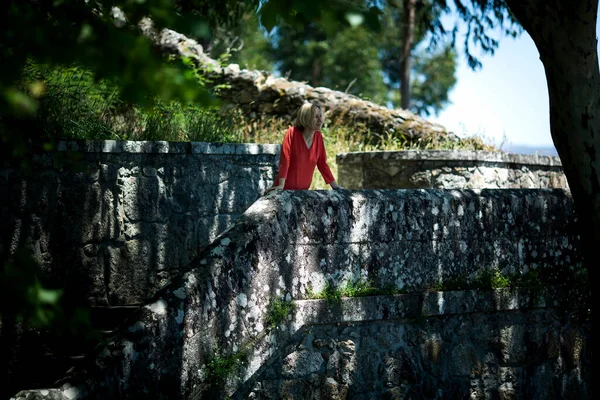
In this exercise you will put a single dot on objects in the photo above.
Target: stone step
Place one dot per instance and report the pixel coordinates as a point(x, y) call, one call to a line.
point(45, 359)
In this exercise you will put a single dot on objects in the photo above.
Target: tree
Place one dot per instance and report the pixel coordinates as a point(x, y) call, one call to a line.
point(419, 79)
point(433, 77)
point(244, 44)
point(564, 33)
point(344, 60)
point(408, 33)
point(366, 63)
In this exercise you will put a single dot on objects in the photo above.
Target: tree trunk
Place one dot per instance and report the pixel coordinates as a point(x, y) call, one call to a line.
point(408, 37)
point(564, 33)
point(316, 73)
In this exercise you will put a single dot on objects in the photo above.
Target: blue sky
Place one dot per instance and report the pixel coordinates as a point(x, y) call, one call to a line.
point(506, 101)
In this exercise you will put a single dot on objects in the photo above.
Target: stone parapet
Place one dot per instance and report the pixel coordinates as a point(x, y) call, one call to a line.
point(448, 169)
point(112, 220)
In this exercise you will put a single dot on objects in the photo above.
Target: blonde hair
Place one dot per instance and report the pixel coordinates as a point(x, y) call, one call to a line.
point(306, 115)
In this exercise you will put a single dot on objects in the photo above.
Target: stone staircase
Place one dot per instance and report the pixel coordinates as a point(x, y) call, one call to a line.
point(210, 333)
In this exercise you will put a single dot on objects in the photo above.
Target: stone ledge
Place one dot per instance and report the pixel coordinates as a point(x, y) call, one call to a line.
point(450, 156)
point(422, 304)
point(164, 147)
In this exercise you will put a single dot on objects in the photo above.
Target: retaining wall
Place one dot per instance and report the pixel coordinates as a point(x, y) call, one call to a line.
point(290, 245)
point(113, 220)
point(448, 169)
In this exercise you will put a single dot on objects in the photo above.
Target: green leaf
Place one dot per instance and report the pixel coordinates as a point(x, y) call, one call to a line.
point(20, 103)
point(47, 296)
point(355, 19)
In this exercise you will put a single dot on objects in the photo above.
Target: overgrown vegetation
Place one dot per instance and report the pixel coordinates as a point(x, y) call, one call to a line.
point(219, 368)
point(74, 105)
point(359, 288)
point(484, 280)
point(278, 311)
point(495, 279)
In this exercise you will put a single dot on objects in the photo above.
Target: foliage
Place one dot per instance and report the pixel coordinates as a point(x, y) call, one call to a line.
point(495, 279)
point(26, 298)
point(344, 60)
point(490, 279)
point(278, 310)
point(433, 67)
point(72, 105)
point(357, 288)
point(362, 61)
point(245, 44)
point(333, 15)
point(433, 78)
point(219, 368)
point(330, 293)
point(84, 33)
point(22, 293)
point(482, 20)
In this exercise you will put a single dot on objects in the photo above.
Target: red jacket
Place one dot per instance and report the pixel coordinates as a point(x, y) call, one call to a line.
point(297, 162)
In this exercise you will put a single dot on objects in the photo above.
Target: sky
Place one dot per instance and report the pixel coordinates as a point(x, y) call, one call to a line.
point(506, 101)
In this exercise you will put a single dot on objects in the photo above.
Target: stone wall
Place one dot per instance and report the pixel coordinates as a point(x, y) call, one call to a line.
point(448, 169)
point(290, 245)
point(479, 345)
point(113, 220)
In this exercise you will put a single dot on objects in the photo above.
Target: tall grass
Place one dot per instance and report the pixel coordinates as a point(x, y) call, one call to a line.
point(74, 105)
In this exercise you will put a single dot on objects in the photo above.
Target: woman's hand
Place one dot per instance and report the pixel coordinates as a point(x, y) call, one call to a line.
point(335, 186)
point(273, 188)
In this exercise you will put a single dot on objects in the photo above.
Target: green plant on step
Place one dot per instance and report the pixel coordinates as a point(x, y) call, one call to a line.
point(359, 288)
point(278, 311)
point(490, 279)
point(219, 368)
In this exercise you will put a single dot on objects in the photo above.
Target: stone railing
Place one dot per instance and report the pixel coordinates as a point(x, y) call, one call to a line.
point(291, 245)
point(448, 169)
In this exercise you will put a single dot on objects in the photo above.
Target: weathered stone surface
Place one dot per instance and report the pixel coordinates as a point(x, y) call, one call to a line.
point(444, 343)
point(111, 224)
point(448, 169)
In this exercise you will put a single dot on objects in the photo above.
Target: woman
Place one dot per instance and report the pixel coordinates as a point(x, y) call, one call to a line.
point(303, 149)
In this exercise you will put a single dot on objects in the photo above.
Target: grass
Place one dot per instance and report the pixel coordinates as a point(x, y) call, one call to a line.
point(219, 368)
point(358, 288)
point(278, 311)
point(74, 105)
point(484, 280)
